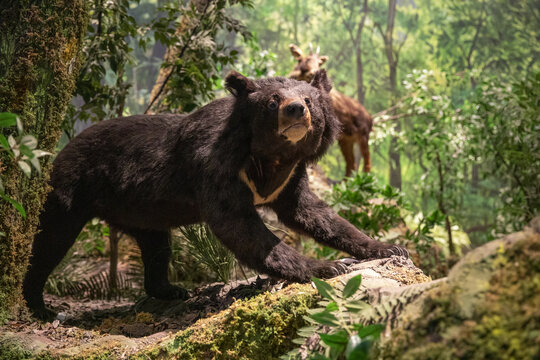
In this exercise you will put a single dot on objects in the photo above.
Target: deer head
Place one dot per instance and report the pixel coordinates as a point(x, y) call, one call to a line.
point(307, 65)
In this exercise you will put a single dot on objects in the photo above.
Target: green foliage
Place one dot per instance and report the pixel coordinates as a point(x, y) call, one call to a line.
point(92, 237)
point(255, 62)
point(206, 248)
point(504, 138)
point(189, 31)
point(98, 286)
point(366, 204)
point(338, 324)
point(20, 149)
point(101, 84)
point(376, 209)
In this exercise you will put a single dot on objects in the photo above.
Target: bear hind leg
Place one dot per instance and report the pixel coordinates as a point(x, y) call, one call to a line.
point(58, 230)
point(156, 252)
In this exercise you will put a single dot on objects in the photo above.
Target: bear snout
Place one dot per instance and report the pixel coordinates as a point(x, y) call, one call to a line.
point(296, 109)
point(294, 120)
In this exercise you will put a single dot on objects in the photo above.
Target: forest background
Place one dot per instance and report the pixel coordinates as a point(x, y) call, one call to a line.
point(454, 85)
point(461, 79)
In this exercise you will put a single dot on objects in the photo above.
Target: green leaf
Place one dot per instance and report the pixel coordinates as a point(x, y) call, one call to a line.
point(357, 349)
point(39, 153)
point(15, 204)
point(19, 125)
point(35, 163)
point(324, 288)
point(26, 169)
point(337, 339)
point(25, 150)
point(7, 119)
point(352, 286)
point(12, 142)
point(4, 142)
point(30, 141)
point(373, 330)
point(355, 306)
point(325, 318)
point(307, 331)
point(332, 306)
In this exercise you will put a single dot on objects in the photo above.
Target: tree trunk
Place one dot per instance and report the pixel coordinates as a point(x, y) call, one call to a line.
point(393, 153)
point(358, 47)
point(40, 43)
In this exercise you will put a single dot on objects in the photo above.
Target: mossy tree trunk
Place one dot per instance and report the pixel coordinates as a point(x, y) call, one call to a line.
point(40, 48)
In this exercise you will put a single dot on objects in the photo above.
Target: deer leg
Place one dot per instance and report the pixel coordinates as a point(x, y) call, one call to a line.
point(363, 141)
point(346, 144)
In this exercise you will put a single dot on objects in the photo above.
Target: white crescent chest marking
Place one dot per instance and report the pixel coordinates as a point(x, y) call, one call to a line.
point(257, 198)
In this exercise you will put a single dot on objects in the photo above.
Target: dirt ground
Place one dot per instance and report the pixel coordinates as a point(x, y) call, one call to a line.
point(83, 321)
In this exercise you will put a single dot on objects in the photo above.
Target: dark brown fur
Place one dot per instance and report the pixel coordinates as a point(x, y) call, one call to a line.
point(145, 174)
point(355, 120)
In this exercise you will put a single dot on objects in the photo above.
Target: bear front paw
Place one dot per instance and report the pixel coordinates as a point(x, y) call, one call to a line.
point(330, 269)
point(388, 250)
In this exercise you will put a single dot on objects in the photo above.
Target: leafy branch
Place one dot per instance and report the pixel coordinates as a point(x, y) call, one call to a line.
point(21, 149)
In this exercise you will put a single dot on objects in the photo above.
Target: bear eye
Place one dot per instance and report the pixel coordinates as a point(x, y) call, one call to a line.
point(273, 105)
point(307, 101)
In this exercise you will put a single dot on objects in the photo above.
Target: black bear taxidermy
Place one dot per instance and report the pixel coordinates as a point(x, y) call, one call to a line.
point(148, 173)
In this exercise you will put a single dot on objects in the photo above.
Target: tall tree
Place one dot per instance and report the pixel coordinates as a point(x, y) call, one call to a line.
point(355, 27)
point(40, 43)
point(392, 57)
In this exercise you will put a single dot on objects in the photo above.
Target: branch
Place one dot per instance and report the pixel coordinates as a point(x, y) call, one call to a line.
point(392, 108)
point(362, 21)
point(392, 117)
point(396, 53)
point(184, 48)
point(477, 33)
point(347, 23)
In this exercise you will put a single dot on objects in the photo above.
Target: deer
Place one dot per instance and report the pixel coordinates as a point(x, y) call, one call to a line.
point(356, 121)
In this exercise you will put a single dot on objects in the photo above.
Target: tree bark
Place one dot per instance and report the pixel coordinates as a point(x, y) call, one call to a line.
point(393, 153)
point(40, 43)
point(359, 65)
point(356, 40)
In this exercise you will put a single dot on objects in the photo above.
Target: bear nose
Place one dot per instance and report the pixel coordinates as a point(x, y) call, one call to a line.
point(296, 109)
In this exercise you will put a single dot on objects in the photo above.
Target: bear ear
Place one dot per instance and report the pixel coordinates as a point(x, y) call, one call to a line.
point(238, 84)
point(320, 81)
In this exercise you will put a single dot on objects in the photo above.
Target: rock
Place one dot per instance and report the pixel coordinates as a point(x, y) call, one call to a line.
point(487, 308)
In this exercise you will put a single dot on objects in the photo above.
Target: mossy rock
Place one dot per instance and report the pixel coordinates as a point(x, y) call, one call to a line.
point(488, 308)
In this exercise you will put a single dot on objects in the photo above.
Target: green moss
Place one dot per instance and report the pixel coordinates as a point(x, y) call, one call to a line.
point(13, 352)
point(501, 321)
point(258, 328)
point(40, 44)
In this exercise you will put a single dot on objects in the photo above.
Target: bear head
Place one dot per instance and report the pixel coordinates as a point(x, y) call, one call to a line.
point(288, 118)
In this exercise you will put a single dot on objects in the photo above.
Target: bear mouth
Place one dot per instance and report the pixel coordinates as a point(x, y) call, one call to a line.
point(295, 132)
point(294, 127)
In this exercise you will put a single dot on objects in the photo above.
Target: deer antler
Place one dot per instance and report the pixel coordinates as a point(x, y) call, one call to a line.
point(310, 49)
point(318, 50)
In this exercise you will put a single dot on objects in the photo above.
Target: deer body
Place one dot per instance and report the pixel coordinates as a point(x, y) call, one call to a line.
point(353, 116)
